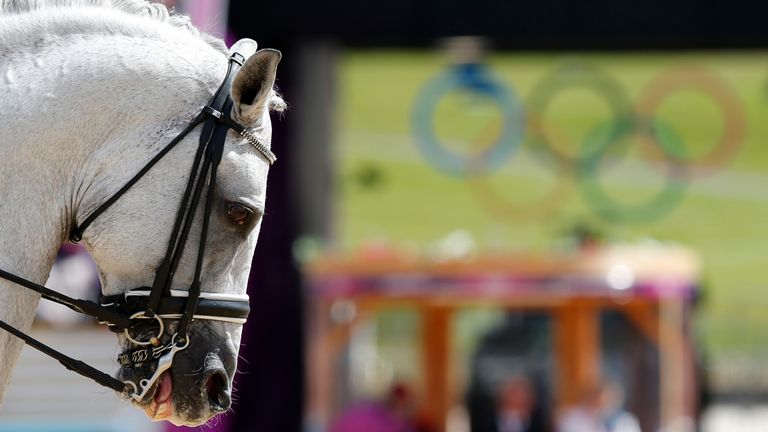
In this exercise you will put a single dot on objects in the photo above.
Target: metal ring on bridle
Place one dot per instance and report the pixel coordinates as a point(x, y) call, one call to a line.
point(173, 342)
point(127, 395)
point(140, 315)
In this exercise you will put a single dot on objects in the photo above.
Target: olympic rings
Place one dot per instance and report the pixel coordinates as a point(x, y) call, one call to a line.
point(602, 144)
point(606, 207)
point(573, 75)
point(734, 127)
point(476, 78)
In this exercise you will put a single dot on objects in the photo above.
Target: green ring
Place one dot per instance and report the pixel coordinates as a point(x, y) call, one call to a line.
point(596, 147)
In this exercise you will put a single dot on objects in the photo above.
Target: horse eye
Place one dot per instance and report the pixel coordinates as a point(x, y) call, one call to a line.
point(238, 212)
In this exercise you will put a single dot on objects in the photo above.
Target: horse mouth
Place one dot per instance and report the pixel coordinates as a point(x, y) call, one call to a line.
point(198, 385)
point(161, 405)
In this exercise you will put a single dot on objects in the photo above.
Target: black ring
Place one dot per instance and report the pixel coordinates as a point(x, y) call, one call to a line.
point(568, 76)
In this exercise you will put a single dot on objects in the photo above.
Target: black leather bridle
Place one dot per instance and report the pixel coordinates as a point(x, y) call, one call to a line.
point(124, 312)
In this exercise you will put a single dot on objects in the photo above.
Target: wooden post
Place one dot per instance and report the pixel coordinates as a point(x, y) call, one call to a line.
point(577, 349)
point(676, 363)
point(436, 343)
point(318, 410)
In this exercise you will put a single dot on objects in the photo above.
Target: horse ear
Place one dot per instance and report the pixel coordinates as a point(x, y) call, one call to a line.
point(252, 86)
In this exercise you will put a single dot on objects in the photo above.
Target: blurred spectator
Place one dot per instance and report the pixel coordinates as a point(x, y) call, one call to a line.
point(516, 402)
point(601, 410)
point(519, 346)
point(396, 413)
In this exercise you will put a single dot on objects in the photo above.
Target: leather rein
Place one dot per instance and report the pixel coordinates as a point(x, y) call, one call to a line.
point(124, 312)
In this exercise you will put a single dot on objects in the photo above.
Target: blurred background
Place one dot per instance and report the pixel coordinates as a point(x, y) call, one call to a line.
point(487, 216)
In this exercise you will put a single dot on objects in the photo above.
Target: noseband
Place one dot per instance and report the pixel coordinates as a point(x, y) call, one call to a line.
point(127, 311)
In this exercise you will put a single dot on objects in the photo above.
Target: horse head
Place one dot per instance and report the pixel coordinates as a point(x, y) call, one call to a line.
point(130, 241)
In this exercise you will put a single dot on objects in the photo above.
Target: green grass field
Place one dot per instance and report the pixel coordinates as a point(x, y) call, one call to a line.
point(388, 189)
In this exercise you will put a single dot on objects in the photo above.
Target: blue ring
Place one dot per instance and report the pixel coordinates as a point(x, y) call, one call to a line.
point(476, 78)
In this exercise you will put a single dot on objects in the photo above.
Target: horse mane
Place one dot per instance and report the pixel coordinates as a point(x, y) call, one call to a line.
point(147, 9)
point(142, 8)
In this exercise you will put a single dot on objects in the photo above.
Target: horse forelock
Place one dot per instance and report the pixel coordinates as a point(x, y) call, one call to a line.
point(139, 8)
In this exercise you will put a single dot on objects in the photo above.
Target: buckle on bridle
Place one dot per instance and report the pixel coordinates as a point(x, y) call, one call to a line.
point(213, 112)
point(237, 58)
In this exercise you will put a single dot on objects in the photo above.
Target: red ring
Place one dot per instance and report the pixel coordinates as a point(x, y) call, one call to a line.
point(706, 81)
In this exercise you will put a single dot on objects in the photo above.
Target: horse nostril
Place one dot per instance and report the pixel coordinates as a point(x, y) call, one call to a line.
point(217, 389)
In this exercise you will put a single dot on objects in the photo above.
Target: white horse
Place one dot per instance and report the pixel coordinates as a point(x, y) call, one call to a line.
point(90, 90)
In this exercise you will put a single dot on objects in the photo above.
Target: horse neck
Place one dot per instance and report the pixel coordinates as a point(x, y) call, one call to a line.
point(68, 112)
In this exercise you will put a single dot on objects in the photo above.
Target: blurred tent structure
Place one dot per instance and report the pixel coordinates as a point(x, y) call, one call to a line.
point(621, 312)
point(305, 188)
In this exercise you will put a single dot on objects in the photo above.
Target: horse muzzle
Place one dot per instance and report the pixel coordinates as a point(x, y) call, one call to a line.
point(198, 384)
